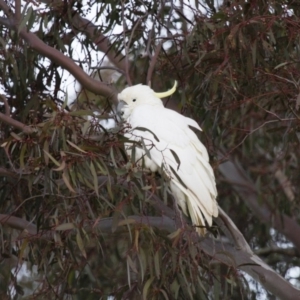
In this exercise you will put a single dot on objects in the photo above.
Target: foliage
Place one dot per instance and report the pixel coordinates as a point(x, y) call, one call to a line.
point(81, 215)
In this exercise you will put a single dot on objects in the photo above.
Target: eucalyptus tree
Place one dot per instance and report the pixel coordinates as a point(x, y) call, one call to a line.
point(81, 216)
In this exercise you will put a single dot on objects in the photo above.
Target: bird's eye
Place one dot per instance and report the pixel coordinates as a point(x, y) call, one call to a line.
point(133, 100)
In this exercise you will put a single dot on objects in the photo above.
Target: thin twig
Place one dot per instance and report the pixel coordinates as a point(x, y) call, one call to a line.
point(126, 47)
point(150, 34)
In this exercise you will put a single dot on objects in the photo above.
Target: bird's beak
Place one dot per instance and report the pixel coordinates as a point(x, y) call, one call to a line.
point(120, 106)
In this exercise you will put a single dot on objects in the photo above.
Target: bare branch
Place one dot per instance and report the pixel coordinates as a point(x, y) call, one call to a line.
point(18, 223)
point(244, 186)
point(150, 34)
point(53, 54)
point(92, 32)
point(10, 121)
point(153, 62)
point(126, 46)
point(102, 42)
point(109, 68)
point(252, 265)
point(18, 12)
point(290, 251)
point(237, 236)
point(283, 181)
point(7, 173)
point(89, 83)
point(276, 169)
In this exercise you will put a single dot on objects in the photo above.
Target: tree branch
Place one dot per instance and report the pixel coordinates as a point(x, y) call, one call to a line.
point(7, 173)
point(236, 236)
point(153, 62)
point(18, 223)
point(290, 251)
point(126, 45)
point(244, 186)
point(109, 68)
point(18, 12)
point(10, 121)
point(100, 40)
point(252, 265)
point(65, 62)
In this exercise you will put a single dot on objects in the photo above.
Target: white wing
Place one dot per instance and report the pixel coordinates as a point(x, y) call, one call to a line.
point(192, 178)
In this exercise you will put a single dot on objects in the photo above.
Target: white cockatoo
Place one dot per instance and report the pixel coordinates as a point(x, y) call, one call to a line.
point(170, 146)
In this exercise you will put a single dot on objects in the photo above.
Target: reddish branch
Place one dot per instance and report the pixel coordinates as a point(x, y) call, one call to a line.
point(7, 173)
point(93, 33)
point(10, 121)
point(67, 63)
point(6, 118)
point(59, 58)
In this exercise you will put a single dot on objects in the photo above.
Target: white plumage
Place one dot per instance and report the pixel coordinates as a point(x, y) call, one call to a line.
point(168, 132)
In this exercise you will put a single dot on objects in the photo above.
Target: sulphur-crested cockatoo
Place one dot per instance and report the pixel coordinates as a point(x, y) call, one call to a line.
point(170, 146)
